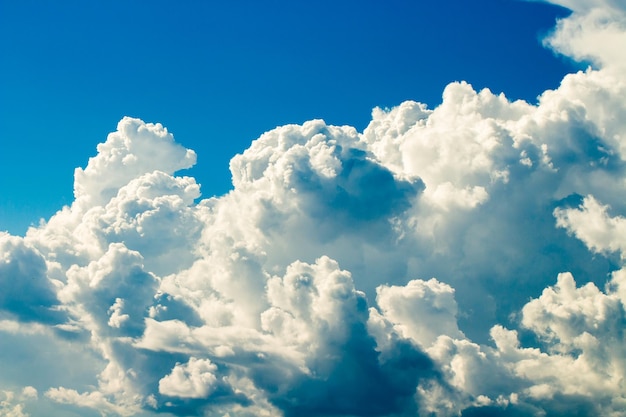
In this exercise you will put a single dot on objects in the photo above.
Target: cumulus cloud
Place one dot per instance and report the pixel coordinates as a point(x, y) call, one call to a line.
point(432, 299)
point(135, 148)
point(591, 223)
point(14, 404)
point(195, 379)
point(592, 37)
point(462, 260)
point(27, 293)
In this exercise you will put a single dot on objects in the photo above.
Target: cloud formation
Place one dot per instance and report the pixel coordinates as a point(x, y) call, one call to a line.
point(463, 260)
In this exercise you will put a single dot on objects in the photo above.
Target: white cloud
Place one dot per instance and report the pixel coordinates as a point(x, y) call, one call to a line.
point(296, 292)
point(94, 400)
point(195, 379)
point(136, 148)
point(583, 332)
point(29, 392)
point(431, 301)
point(584, 6)
point(592, 37)
point(15, 404)
point(592, 224)
point(27, 293)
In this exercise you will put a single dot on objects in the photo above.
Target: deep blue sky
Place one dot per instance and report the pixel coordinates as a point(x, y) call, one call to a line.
point(218, 74)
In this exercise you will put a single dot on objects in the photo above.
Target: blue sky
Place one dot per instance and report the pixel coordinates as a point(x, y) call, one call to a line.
point(345, 209)
point(218, 74)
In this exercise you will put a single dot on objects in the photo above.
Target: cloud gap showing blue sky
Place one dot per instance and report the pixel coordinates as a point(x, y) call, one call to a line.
point(460, 256)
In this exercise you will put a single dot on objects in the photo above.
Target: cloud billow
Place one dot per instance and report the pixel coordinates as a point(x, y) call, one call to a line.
point(457, 261)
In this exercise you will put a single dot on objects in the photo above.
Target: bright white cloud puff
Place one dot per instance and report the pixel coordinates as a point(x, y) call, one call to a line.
point(382, 273)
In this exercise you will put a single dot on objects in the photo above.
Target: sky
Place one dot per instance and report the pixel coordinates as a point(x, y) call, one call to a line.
point(219, 74)
point(336, 210)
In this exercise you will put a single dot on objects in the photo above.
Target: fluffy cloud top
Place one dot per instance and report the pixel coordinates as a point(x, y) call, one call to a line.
point(135, 148)
point(192, 380)
point(458, 261)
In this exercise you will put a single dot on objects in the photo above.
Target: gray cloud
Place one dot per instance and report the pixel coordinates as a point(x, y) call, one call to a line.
point(26, 294)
